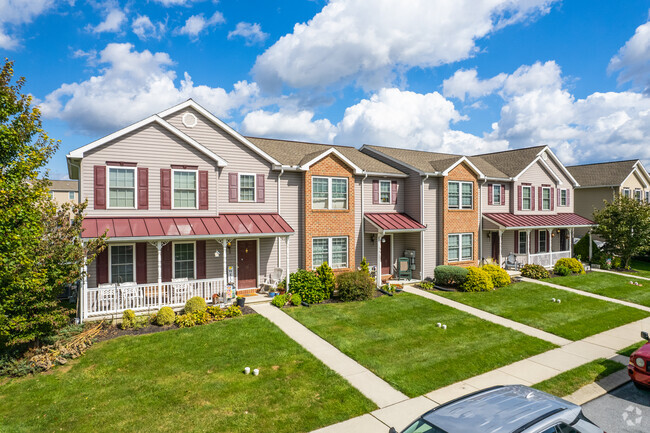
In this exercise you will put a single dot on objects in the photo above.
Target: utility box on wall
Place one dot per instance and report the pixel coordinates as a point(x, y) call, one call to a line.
point(410, 254)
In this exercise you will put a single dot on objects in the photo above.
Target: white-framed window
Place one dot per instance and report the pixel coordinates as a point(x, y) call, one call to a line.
point(638, 195)
point(122, 263)
point(247, 187)
point(523, 242)
point(384, 191)
point(460, 195)
point(333, 250)
point(71, 195)
point(121, 187)
point(184, 260)
point(563, 196)
point(526, 200)
point(647, 196)
point(542, 237)
point(496, 194)
point(546, 198)
point(626, 192)
point(184, 186)
point(329, 192)
point(460, 247)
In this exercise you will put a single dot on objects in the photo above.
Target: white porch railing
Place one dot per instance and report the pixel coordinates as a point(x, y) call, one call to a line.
point(113, 300)
point(548, 259)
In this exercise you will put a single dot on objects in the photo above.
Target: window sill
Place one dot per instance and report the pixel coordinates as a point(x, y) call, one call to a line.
point(330, 210)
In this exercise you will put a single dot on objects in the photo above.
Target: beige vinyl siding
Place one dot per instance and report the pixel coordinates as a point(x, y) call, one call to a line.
point(566, 183)
point(537, 175)
point(496, 208)
point(432, 238)
point(633, 182)
point(385, 207)
point(358, 221)
point(589, 199)
point(292, 210)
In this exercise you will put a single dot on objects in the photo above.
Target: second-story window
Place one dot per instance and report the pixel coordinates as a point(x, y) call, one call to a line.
point(460, 195)
point(121, 187)
point(329, 193)
point(496, 194)
point(184, 189)
point(563, 200)
point(384, 191)
point(525, 198)
point(246, 187)
point(546, 198)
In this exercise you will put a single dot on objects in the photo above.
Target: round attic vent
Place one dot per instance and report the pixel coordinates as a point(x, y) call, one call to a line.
point(189, 120)
point(544, 156)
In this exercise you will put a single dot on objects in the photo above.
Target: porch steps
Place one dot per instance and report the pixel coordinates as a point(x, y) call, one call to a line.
point(257, 299)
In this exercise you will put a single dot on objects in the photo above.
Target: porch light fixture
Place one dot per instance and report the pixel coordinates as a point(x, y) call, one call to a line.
point(372, 238)
point(217, 253)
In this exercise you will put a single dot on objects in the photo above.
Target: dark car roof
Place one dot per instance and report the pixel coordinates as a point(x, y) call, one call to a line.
point(504, 409)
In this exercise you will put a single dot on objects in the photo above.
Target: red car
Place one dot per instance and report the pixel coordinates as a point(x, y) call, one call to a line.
point(639, 366)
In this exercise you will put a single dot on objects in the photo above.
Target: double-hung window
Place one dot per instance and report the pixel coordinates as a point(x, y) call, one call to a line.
point(563, 195)
point(546, 198)
point(247, 187)
point(71, 195)
point(626, 192)
point(496, 194)
point(122, 264)
point(523, 242)
point(184, 189)
point(542, 240)
point(121, 187)
point(526, 198)
point(647, 196)
point(384, 191)
point(638, 195)
point(333, 250)
point(184, 260)
point(329, 193)
point(460, 195)
point(460, 247)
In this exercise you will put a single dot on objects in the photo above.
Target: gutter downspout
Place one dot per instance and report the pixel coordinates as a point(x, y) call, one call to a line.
point(278, 239)
point(363, 219)
point(480, 220)
point(422, 222)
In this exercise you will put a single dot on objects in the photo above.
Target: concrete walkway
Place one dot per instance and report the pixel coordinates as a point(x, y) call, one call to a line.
point(370, 385)
point(605, 271)
point(525, 329)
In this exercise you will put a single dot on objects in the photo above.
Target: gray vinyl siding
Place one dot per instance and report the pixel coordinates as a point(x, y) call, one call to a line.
point(432, 237)
point(385, 207)
point(292, 210)
point(496, 208)
point(358, 220)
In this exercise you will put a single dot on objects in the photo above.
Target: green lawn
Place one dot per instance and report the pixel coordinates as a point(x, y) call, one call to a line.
point(610, 285)
point(572, 380)
point(575, 318)
point(185, 380)
point(643, 268)
point(397, 338)
point(631, 348)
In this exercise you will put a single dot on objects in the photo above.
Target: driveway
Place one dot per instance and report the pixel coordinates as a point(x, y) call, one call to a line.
point(623, 410)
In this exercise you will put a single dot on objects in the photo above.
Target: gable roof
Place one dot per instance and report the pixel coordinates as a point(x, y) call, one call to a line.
point(64, 185)
point(605, 173)
point(512, 162)
point(300, 154)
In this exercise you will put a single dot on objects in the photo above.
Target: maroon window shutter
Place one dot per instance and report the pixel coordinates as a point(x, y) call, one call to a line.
point(503, 195)
point(559, 199)
point(393, 189)
point(143, 188)
point(203, 189)
point(519, 197)
point(141, 262)
point(101, 265)
point(552, 198)
point(536, 241)
point(541, 197)
point(516, 241)
point(375, 192)
point(532, 198)
point(165, 188)
point(490, 192)
point(166, 262)
point(260, 188)
point(100, 187)
point(200, 260)
point(568, 197)
point(233, 193)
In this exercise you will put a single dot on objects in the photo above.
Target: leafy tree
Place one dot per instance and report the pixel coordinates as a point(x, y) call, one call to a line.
point(624, 225)
point(40, 246)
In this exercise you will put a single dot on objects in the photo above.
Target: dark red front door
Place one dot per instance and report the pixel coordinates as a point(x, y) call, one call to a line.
point(246, 264)
point(386, 268)
point(495, 246)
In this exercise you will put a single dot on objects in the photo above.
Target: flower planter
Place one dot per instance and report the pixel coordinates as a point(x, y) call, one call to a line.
point(273, 294)
point(241, 302)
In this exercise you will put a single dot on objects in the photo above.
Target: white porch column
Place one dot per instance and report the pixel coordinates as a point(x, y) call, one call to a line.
point(590, 246)
point(527, 246)
point(500, 247)
point(571, 242)
point(224, 244)
point(286, 245)
point(550, 241)
point(84, 292)
point(378, 270)
point(159, 246)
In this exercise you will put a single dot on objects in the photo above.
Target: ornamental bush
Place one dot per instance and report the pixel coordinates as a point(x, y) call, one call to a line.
point(536, 272)
point(201, 317)
point(451, 276)
point(128, 319)
point(295, 299)
point(165, 316)
point(216, 312)
point(581, 249)
point(499, 276)
point(279, 301)
point(427, 285)
point(326, 276)
point(196, 303)
point(308, 285)
point(185, 320)
point(364, 267)
point(562, 271)
point(572, 264)
point(477, 280)
point(233, 311)
point(355, 286)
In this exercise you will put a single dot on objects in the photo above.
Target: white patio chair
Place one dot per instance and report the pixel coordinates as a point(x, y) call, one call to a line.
point(131, 295)
point(272, 281)
point(180, 290)
point(105, 299)
point(511, 262)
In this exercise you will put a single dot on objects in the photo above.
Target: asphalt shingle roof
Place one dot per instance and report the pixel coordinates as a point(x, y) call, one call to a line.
point(64, 185)
point(602, 174)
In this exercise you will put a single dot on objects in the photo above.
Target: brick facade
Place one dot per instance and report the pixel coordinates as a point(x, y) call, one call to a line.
point(320, 222)
point(460, 220)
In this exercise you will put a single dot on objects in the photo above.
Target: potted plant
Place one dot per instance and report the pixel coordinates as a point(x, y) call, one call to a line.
point(240, 301)
point(273, 294)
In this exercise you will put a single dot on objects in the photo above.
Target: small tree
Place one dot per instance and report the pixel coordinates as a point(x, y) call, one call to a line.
point(326, 276)
point(364, 266)
point(624, 225)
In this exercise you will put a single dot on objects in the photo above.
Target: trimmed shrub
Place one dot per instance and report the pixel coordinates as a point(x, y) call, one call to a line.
point(581, 249)
point(355, 286)
point(326, 278)
point(196, 303)
point(233, 311)
point(427, 285)
point(185, 320)
point(295, 299)
point(572, 264)
point(477, 280)
point(279, 301)
point(453, 276)
point(616, 262)
point(201, 317)
point(128, 319)
point(499, 276)
point(216, 312)
point(536, 272)
point(562, 271)
point(364, 267)
point(165, 316)
point(308, 285)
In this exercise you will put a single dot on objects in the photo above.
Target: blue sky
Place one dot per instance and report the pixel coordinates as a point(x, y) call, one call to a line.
point(461, 76)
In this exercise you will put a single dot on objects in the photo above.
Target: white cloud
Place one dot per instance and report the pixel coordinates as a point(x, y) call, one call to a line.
point(465, 83)
point(633, 59)
point(16, 12)
point(352, 41)
point(145, 29)
point(112, 23)
point(197, 23)
point(170, 3)
point(252, 33)
point(289, 125)
point(132, 86)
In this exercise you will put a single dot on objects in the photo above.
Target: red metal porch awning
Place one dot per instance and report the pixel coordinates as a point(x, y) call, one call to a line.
point(163, 227)
point(394, 222)
point(509, 220)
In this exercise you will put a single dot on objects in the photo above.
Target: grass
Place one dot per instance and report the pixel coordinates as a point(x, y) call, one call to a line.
point(575, 318)
point(397, 338)
point(185, 380)
point(631, 348)
point(610, 285)
point(572, 380)
point(643, 268)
